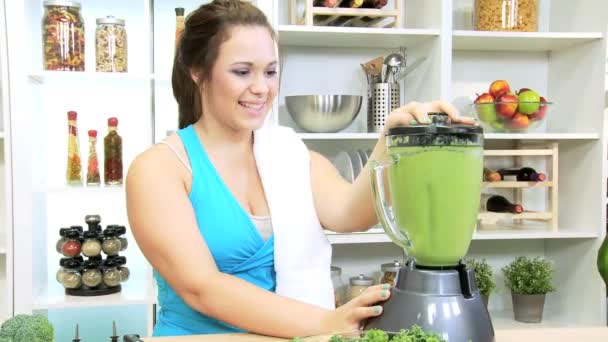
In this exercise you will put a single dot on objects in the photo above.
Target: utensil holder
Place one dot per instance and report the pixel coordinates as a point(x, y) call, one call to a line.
point(383, 98)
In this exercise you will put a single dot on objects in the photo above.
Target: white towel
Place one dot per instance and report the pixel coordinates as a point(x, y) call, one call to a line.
point(301, 250)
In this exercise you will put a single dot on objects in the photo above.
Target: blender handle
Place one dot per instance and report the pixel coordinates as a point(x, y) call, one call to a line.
point(383, 210)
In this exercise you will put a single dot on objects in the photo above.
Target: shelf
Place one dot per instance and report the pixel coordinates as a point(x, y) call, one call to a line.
point(56, 298)
point(520, 152)
point(504, 320)
point(46, 76)
point(330, 36)
point(60, 189)
point(487, 136)
point(520, 41)
point(523, 216)
point(508, 185)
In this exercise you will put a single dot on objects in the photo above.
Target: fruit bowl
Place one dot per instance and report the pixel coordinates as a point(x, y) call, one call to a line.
point(516, 117)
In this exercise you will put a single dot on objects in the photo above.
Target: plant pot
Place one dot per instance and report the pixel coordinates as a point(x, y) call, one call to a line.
point(528, 308)
point(485, 300)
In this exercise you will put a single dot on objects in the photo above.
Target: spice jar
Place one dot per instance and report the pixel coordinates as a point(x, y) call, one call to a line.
point(91, 275)
point(110, 45)
point(74, 167)
point(389, 272)
point(72, 279)
point(61, 240)
point(358, 284)
point(112, 145)
point(110, 244)
point(506, 15)
point(111, 274)
point(121, 230)
point(72, 246)
point(339, 288)
point(62, 271)
point(124, 273)
point(91, 246)
point(63, 36)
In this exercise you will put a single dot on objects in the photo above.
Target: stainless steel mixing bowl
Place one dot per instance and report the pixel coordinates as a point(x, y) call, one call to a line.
point(323, 113)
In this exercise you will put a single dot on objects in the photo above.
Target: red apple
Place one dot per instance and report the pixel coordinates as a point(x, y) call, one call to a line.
point(499, 87)
point(506, 105)
point(540, 113)
point(485, 107)
point(519, 121)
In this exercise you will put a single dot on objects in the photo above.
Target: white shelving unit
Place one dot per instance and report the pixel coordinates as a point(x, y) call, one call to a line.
point(561, 61)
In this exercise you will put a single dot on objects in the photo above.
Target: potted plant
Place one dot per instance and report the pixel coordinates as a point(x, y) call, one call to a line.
point(529, 279)
point(484, 277)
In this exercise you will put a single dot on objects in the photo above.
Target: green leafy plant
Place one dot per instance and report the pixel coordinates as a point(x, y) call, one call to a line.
point(31, 328)
point(414, 334)
point(527, 275)
point(484, 276)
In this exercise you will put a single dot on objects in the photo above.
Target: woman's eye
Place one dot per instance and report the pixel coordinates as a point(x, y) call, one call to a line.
point(271, 72)
point(240, 72)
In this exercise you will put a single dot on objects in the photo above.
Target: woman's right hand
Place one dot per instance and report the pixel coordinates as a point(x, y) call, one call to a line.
point(352, 315)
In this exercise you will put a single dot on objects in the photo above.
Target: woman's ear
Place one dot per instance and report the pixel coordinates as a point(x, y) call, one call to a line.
point(195, 75)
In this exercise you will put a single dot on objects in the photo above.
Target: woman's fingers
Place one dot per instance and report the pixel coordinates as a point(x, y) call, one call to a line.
point(361, 313)
point(372, 295)
point(417, 113)
point(400, 118)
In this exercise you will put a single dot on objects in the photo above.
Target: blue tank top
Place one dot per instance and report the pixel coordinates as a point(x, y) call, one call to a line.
point(234, 242)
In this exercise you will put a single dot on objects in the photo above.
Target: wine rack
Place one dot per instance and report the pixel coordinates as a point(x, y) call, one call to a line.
point(491, 220)
point(343, 16)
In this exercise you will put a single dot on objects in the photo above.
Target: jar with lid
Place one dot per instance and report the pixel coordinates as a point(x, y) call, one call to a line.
point(69, 275)
point(91, 246)
point(111, 274)
point(112, 147)
point(339, 288)
point(120, 232)
point(62, 239)
point(506, 15)
point(93, 222)
point(110, 244)
point(63, 36)
point(110, 45)
point(359, 284)
point(389, 272)
point(91, 275)
point(72, 245)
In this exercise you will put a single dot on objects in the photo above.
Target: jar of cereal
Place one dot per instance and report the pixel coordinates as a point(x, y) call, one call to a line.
point(359, 284)
point(506, 15)
point(110, 45)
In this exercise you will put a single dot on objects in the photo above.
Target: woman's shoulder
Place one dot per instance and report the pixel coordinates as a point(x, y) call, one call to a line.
point(159, 158)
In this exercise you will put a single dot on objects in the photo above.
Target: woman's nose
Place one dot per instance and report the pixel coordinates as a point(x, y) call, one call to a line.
point(259, 85)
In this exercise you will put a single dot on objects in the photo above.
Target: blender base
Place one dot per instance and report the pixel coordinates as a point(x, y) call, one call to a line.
point(446, 302)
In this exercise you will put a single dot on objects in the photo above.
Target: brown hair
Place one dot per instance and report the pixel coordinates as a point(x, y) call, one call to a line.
point(205, 30)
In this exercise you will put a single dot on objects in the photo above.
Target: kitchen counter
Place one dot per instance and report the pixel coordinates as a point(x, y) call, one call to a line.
point(510, 335)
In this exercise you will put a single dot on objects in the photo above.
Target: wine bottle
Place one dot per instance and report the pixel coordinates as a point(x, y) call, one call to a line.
point(352, 3)
point(602, 260)
point(327, 3)
point(524, 174)
point(490, 176)
point(374, 4)
point(499, 204)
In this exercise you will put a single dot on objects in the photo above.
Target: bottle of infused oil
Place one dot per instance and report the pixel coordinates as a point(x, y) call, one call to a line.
point(112, 146)
point(93, 177)
point(74, 167)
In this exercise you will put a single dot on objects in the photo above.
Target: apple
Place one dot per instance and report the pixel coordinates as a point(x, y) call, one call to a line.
point(529, 102)
point(540, 113)
point(484, 104)
point(499, 87)
point(497, 126)
point(519, 121)
point(522, 90)
point(506, 105)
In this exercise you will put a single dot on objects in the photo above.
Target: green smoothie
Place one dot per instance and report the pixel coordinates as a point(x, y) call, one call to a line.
point(435, 194)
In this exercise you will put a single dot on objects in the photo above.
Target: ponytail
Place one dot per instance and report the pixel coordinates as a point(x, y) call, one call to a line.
point(186, 93)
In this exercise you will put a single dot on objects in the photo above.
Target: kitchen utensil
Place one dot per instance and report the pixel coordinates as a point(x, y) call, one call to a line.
point(384, 98)
point(323, 113)
point(344, 166)
point(374, 67)
point(434, 289)
point(357, 163)
point(406, 70)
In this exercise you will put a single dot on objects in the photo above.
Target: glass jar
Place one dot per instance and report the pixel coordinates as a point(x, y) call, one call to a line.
point(110, 45)
point(506, 15)
point(111, 274)
point(64, 265)
point(339, 288)
point(91, 275)
point(61, 240)
point(91, 246)
point(389, 272)
point(112, 146)
point(93, 177)
point(120, 231)
point(359, 284)
point(74, 166)
point(72, 246)
point(72, 279)
point(124, 273)
point(63, 36)
point(110, 244)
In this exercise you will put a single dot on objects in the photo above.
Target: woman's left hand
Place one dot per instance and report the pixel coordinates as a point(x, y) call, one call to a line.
point(415, 113)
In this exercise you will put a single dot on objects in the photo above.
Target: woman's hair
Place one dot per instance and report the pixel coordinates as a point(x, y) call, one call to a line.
point(206, 29)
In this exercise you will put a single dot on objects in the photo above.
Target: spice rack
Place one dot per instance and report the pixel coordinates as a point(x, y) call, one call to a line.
point(490, 220)
point(95, 276)
point(341, 16)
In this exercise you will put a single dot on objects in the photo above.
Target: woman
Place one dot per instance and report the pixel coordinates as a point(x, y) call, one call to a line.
point(225, 80)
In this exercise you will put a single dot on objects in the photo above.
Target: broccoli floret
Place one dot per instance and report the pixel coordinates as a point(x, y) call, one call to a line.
point(375, 335)
point(337, 338)
point(296, 339)
point(30, 328)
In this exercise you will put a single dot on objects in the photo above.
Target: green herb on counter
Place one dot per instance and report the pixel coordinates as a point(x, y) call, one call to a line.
point(414, 334)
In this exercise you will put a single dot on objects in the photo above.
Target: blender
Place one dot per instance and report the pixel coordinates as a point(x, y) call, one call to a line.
point(426, 196)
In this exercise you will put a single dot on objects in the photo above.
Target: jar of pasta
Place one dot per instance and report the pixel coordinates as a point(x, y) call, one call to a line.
point(110, 45)
point(63, 36)
point(506, 15)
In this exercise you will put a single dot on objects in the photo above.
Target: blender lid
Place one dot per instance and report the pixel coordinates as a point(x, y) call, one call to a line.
point(391, 266)
point(361, 280)
point(440, 132)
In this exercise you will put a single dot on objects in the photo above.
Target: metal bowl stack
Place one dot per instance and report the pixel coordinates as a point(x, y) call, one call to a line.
point(323, 113)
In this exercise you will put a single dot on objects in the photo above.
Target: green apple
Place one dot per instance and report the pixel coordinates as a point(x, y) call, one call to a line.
point(484, 105)
point(498, 126)
point(529, 102)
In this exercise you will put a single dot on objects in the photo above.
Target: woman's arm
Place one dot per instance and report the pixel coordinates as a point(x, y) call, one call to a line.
point(346, 207)
point(165, 229)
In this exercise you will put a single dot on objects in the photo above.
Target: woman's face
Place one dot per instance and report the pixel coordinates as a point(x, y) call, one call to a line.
point(244, 79)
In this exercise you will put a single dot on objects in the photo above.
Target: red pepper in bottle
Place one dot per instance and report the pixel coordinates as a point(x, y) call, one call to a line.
point(93, 177)
point(112, 144)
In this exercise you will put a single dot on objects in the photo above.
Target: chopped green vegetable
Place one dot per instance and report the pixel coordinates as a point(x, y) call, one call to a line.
point(31, 328)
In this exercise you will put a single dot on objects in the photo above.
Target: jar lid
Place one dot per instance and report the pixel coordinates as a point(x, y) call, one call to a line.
point(78, 228)
point(72, 234)
point(440, 132)
point(120, 230)
point(90, 234)
point(110, 19)
point(110, 231)
point(111, 263)
point(92, 219)
point(335, 270)
point(62, 231)
point(391, 266)
point(66, 3)
point(361, 280)
point(69, 263)
point(91, 264)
